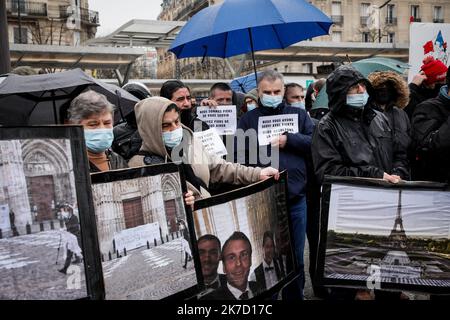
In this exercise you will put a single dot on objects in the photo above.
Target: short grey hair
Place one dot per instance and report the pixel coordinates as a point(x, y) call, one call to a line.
point(270, 75)
point(87, 104)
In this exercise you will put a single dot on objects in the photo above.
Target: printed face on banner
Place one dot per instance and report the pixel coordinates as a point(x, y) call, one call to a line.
point(143, 235)
point(390, 237)
point(222, 118)
point(274, 126)
point(427, 39)
point(244, 242)
point(41, 254)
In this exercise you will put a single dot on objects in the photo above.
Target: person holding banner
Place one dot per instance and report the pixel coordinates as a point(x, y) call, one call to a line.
point(283, 136)
point(177, 92)
point(165, 139)
point(355, 140)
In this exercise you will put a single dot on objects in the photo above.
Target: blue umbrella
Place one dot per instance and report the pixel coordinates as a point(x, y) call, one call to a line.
point(244, 84)
point(235, 27)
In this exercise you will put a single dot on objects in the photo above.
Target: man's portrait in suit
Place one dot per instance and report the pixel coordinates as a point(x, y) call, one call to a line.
point(236, 261)
point(271, 270)
point(209, 250)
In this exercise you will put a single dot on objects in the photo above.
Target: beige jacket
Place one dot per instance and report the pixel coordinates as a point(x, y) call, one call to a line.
point(210, 169)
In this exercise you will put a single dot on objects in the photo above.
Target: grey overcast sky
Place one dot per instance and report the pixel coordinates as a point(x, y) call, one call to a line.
point(113, 14)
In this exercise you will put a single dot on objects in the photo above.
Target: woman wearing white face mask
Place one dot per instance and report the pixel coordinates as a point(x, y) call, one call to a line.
point(94, 112)
point(165, 139)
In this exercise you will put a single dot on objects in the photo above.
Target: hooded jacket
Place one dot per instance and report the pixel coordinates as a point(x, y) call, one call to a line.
point(431, 131)
point(393, 110)
point(354, 142)
point(210, 169)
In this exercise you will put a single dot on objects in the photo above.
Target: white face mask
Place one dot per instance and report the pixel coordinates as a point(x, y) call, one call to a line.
point(173, 138)
point(271, 101)
point(358, 100)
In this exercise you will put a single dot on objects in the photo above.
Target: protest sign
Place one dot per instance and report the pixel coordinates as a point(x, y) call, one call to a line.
point(427, 39)
point(211, 142)
point(274, 126)
point(222, 118)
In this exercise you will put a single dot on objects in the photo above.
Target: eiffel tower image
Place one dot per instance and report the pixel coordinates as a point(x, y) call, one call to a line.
point(398, 235)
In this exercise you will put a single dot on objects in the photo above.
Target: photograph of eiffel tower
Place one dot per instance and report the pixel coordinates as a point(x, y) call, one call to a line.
point(404, 234)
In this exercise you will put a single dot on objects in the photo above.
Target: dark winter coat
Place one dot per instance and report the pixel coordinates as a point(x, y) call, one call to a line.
point(114, 162)
point(352, 142)
point(431, 132)
point(418, 94)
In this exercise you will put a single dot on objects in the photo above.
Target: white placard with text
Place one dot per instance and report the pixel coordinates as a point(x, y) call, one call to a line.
point(222, 118)
point(274, 126)
point(212, 142)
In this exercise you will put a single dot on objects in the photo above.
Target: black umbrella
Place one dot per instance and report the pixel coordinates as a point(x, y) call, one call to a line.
point(44, 99)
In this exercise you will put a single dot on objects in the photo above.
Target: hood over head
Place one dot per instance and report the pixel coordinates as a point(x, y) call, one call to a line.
point(379, 79)
point(338, 83)
point(149, 116)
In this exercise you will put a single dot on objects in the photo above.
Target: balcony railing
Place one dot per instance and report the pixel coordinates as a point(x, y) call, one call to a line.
point(438, 20)
point(363, 21)
point(414, 19)
point(391, 20)
point(86, 16)
point(337, 19)
point(36, 9)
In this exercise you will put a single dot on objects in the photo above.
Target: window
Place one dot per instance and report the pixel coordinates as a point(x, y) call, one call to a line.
point(438, 14)
point(336, 36)
point(365, 37)
point(391, 37)
point(364, 9)
point(390, 14)
point(336, 12)
point(24, 34)
point(415, 13)
point(307, 68)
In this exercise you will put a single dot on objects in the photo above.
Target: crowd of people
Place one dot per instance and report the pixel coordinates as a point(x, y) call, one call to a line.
point(374, 127)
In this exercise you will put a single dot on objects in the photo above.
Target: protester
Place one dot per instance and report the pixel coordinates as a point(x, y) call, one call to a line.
point(127, 141)
point(236, 261)
point(291, 147)
point(251, 100)
point(427, 84)
point(165, 139)
point(354, 139)
point(94, 112)
point(294, 95)
point(391, 95)
point(220, 94)
point(431, 131)
point(177, 92)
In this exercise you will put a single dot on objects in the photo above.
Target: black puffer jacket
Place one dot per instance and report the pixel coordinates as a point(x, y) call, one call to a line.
point(351, 142)
point(431, 132)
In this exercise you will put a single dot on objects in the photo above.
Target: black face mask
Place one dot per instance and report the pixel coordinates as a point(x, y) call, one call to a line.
point(385, 96)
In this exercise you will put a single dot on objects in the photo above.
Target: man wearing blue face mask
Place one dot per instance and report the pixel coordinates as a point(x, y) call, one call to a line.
point(295, 95)
point(95, 113)
point(355, 140)
point(292, 148)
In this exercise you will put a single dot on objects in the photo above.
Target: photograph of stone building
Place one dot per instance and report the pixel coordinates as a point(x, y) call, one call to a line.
point(39, 222)
point(402, 236)
point(142, 226)
point(254, 215)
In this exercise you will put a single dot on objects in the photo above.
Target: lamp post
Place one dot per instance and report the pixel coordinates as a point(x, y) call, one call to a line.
point(379, 19)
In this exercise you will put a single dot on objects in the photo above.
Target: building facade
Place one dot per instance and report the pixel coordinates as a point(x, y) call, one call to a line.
point(354, 21)
point(51, 22)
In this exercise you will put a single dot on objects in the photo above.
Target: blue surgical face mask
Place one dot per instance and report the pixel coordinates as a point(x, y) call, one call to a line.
point(358, 100)
point(98, 140)
point(298, 104)
point(271, 101)
point(251, 106)
point(173, 138)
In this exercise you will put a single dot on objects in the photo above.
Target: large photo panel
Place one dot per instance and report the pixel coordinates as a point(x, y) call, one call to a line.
point(244, 242)
point(381, 236)
point(143, 231)
point(47, 240)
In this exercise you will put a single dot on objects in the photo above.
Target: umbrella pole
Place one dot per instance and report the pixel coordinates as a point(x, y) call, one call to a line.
point(253, 53)
point(55, 115)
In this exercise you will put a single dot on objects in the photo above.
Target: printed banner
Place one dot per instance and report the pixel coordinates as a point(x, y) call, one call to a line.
point(222, 118)
point(274, 126)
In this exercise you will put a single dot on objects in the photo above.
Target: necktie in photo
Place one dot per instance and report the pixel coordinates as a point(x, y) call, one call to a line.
point(269, 268)
point(244, 296)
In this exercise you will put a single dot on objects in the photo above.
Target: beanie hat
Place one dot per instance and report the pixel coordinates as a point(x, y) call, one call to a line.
point(434, 69)
point(137, 89)
point(252, 94)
